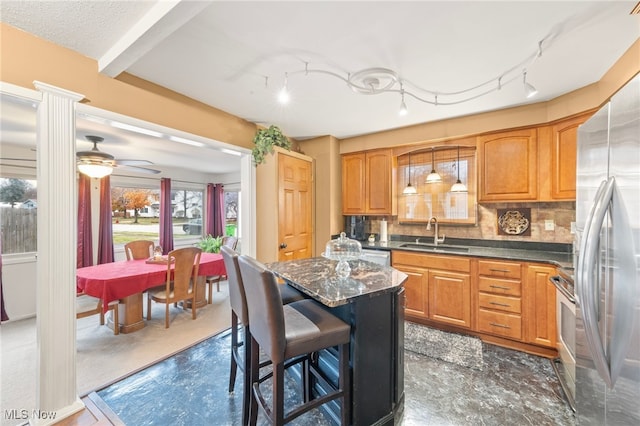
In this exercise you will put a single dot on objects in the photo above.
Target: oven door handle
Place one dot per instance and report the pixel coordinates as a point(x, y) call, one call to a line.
point(556, 280)
point(586, 286)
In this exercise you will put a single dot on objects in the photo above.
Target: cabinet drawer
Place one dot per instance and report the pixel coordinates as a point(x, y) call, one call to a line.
point(501, 303)
point(507, 325)
point(445, 263)
point(494, 268)
point(498, 286)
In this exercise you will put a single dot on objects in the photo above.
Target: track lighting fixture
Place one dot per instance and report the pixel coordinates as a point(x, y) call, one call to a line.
point(409, 189)
point(283, 95)
point(529, 90)
point(458, 186)
point(403, 107)
point(433, 177)
point(374, 81)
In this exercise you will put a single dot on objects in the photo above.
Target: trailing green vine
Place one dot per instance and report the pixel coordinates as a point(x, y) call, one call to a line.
point(265, 140)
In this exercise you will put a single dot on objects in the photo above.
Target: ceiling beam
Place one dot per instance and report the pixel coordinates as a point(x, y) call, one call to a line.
point(159, 22)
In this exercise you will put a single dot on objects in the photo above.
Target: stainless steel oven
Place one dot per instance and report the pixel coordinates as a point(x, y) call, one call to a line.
point(565, 365)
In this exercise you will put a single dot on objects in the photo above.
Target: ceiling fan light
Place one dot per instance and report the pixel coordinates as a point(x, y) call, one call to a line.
point(95, 170)
point(459, 187)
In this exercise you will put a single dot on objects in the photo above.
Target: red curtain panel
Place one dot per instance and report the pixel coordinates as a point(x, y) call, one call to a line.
point(166, 220)
point(85, 245)
point(4, 316)
point(105, 238)
point(215, 210)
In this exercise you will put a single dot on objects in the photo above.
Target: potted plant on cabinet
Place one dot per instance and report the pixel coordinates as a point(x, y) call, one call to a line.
point(265, 140)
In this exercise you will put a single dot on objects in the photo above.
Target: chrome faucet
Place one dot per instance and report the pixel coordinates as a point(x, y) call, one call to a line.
point(436, 240)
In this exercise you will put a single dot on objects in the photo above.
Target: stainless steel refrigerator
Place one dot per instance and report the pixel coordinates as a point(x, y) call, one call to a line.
point(607, 263)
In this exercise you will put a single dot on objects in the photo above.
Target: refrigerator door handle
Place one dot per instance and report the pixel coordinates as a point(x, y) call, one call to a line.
point(586, 283)
point(624, 291)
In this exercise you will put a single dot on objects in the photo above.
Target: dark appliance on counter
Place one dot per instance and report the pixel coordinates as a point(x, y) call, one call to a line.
point(356, 227)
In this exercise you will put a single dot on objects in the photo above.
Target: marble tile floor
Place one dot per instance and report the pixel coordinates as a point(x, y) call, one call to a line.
point(190, 388)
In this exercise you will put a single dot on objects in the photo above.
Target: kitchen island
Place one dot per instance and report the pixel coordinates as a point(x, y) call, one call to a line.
point(371, 300)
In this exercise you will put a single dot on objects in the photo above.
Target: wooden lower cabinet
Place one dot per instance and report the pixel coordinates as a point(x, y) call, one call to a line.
point(540, 297)
point(416, 288)
point(438, 287)
point(450, 298)
point(504, 302)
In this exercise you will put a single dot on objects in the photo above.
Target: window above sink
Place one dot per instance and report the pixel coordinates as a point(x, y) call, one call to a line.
point(437, 199)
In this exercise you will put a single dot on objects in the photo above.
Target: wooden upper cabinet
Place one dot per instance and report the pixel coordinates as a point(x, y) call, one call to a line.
point(353, 183)
point(366, 183)
point(557, 158)
point(508, 166)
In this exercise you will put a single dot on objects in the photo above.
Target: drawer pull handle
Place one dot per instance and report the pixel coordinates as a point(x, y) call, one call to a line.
point(499, 270)
point(500, 304)
point(499, 286)
point(499, 325)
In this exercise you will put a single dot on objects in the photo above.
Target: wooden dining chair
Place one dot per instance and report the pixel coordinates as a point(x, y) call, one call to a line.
point(88, 305)
point(139, 249)
point(230, 242)
point(181, 283)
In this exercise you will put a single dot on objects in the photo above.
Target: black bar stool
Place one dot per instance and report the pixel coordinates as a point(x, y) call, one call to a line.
point(239, 316)
point(286, 332)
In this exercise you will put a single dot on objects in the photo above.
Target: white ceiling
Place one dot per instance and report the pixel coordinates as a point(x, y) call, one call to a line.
point(233, 55)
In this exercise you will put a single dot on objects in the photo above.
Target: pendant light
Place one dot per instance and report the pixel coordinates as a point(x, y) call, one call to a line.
point(409, 189)
point(458, 186)
point(433, 177)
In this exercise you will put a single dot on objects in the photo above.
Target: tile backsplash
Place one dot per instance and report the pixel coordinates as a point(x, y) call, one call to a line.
point(561, 214)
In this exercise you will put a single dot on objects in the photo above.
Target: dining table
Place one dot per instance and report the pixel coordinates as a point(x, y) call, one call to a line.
point(127, 280)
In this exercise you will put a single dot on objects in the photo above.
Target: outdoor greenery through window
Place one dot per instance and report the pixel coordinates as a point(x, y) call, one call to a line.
point(136, 213)
point(18, 215)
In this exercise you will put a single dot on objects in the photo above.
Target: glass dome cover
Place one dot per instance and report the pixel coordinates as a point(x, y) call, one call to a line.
point(343, 248)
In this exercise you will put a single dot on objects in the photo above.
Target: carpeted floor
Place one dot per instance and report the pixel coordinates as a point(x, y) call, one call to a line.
point(102, 357)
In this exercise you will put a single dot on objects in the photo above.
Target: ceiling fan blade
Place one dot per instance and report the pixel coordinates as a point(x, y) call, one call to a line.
point(134, 162)
point(140, 169)
point(16, 159)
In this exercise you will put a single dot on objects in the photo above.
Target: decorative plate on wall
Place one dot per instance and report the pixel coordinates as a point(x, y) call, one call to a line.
point(514, 221)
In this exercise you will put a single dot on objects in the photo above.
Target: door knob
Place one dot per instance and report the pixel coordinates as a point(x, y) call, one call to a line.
point(283, 245)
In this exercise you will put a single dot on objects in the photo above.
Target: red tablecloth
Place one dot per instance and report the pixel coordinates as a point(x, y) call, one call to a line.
point(117, 280)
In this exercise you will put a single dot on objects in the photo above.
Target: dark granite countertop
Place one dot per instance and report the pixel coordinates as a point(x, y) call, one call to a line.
point(556, 254)
point(316, 277)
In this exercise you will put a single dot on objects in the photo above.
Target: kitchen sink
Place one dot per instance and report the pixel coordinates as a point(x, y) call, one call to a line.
point(434, 248)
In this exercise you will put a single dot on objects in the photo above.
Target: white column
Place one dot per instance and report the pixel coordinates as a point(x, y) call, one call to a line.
point(57, 396)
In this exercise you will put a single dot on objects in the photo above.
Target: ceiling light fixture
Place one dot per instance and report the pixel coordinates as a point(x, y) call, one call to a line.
point(94, 163)
point(433, 177)
point(529, 90)
point(458, 186)
point(409, 189)
point(374, 81)
point(283, 96)
point(403, 107)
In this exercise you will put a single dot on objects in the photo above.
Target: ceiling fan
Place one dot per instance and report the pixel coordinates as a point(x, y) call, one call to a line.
point(99, 160)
